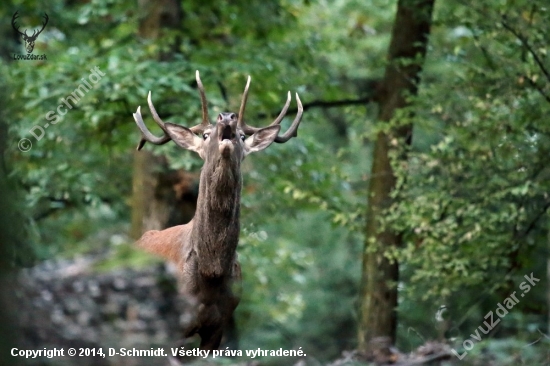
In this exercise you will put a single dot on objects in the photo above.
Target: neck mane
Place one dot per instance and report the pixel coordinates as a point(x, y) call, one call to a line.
point(216, 227)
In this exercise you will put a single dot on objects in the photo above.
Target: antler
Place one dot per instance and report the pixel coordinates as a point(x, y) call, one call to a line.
point(204, 104)
point(292, 130)
point(34, 34)
point(14, 25)
point(147, 136)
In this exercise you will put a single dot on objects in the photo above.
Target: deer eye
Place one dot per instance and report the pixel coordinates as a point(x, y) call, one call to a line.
point(243, 137)
point(205, 135)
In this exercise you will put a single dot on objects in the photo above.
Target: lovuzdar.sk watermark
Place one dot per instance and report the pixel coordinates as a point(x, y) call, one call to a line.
point(29, 40)
point(30, 57)
point(501, 311)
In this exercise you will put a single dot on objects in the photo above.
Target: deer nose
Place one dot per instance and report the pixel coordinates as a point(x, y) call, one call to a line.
point(226, 117)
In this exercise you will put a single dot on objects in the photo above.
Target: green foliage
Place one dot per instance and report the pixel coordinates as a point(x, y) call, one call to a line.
point(289, 281)
point(472, 198)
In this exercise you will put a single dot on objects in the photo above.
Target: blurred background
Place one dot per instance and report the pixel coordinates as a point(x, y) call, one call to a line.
point(413, 201)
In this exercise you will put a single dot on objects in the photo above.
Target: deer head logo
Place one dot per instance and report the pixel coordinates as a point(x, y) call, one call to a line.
point(29, 40)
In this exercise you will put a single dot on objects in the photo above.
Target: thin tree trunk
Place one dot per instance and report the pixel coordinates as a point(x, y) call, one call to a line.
point(378, 302)
point(161, 197)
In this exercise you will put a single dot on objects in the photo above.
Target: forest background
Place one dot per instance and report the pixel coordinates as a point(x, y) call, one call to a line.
point(414, 199)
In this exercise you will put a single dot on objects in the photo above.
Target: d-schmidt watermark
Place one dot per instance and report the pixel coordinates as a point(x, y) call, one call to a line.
point(29, 39)
point(54, 116)
point(501, 311)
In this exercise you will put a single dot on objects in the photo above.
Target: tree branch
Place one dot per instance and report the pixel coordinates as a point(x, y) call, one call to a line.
point(525, 42)
point(538, 88)
point(324, 104)
point(535, 220)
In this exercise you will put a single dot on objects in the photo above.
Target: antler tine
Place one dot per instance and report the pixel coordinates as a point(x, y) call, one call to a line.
point(283, 111)
point(293, 129)
point(14, 22)
point(154, 113)
point(146, 135)
point(240, 121)
point(249, 130)
point(204, 105)
point(46, 22)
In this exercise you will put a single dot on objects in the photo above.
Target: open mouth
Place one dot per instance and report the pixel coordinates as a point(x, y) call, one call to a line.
point(227, 134)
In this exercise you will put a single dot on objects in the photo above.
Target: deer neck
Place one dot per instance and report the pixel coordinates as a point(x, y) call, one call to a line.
point(216, 224)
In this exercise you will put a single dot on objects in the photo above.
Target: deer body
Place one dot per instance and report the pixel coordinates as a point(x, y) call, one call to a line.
point(204, 250)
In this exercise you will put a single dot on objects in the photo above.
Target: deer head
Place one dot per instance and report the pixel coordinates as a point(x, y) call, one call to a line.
point(226, 138)
point(29, 40)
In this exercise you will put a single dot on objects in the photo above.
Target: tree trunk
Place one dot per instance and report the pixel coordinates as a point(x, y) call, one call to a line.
point(378, 302)
point(161, 197)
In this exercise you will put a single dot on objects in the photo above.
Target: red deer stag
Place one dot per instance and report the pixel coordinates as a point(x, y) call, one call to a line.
point(204, 250)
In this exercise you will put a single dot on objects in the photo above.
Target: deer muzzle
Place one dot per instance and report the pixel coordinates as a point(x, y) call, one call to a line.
point(226, 136)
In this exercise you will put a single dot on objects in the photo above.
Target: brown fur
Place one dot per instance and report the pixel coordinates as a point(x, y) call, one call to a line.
point(167, 243)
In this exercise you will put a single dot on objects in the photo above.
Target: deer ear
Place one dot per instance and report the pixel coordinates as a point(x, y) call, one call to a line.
point(184, 137)
point(261, 139)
